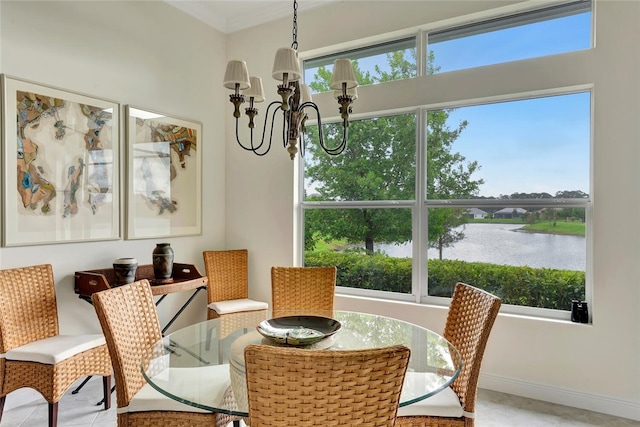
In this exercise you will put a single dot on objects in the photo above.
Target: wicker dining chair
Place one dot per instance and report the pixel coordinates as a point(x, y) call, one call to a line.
point(303, 291)
point(36, 355)
point(301, 387)
point(130, 324)
point(228, 284)
point(472, 313)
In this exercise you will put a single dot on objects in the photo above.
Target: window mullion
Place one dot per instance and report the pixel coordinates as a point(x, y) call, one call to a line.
point(421, 53)
point(420, 225)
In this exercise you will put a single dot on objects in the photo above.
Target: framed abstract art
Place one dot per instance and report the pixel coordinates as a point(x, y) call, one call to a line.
point(164, 175)
point(61, 157)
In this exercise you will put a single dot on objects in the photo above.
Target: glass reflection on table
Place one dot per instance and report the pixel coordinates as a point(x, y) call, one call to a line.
point(185, 362)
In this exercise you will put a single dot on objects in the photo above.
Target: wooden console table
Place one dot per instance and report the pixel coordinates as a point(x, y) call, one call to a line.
point(185, 277)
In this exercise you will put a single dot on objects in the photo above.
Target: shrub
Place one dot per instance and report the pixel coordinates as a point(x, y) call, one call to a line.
point(527, 286)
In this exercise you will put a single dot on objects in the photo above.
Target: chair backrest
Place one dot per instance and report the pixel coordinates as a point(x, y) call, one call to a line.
point(130, 325)
point(303, 290)
point(227, 274)
point(28, 310)
point(471, 316)
point(301, 387)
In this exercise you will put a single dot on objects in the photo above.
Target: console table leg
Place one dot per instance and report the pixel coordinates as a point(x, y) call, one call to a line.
point(175, 316)
point(81, 385)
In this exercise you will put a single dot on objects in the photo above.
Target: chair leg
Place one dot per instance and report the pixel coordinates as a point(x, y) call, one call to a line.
point(2, 400)
point(106, 388)
point(53, 414)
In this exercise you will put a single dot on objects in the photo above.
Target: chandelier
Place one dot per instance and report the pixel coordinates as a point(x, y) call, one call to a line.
point(295, 98)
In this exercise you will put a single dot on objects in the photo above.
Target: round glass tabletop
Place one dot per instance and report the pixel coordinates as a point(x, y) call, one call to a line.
point(202, 365)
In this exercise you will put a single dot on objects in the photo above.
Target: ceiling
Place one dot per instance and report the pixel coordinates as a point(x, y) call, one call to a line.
point(234, 15)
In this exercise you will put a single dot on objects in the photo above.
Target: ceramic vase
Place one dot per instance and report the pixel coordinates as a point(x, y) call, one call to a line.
point(124, 270)
point(163, 261)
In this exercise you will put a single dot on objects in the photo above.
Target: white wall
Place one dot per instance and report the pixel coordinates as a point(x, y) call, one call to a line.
point(146, 54)
point(594, 367)
point(151, 56)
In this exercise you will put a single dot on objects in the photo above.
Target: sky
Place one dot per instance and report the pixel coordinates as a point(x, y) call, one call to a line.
point(528, 146)
point(538, 145)
point(532, 145)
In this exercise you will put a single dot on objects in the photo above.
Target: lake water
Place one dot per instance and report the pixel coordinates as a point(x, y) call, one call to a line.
point(501, 244)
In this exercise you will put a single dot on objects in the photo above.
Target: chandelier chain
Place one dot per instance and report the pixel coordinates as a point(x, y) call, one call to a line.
point(294, 45)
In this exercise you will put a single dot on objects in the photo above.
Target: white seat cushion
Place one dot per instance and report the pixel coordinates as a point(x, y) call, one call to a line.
point(55, 349)
point(442, 404)
point(216, 383)
point(237, 305)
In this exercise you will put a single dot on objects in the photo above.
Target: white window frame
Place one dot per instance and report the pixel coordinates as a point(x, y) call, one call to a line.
point(420, 205)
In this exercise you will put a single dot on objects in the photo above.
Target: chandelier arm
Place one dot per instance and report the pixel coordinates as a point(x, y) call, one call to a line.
point(345, 124)
point(286, 121)
point(255, 149)
point(252, 148)
point(341, 147)
point(273, 118)
point(303, 144)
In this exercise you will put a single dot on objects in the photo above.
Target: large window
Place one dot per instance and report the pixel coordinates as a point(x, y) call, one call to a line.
point(375, 64)
point(517, 174)
point(494, 192)
point(559, 29)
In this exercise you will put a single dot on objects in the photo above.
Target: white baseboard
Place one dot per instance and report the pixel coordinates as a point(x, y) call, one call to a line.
point(624, 408)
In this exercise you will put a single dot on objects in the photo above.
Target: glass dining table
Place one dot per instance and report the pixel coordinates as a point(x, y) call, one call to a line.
point(184, 364)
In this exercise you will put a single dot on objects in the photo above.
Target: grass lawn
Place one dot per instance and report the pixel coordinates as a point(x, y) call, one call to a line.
point(560, 227)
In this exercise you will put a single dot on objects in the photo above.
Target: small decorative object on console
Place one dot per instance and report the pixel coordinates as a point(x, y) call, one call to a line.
point(125, 270)
point(163, 261)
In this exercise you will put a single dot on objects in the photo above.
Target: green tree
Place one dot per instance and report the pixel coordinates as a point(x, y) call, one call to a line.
point(379, 164)
point(449, 176)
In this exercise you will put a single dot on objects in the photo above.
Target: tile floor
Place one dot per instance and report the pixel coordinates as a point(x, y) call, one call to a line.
point(493, 409)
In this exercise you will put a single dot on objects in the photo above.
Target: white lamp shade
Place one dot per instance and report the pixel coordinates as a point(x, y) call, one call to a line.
point(286, 61)
point(305, 94)
point(255, 90)
point(237, 72)
point(343, 73)
point(353, 92)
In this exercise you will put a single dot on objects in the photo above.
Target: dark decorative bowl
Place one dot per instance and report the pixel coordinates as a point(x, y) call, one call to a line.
point(298, 330)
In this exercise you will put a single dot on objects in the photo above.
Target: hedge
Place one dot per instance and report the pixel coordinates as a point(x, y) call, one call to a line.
point(532, 287)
